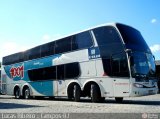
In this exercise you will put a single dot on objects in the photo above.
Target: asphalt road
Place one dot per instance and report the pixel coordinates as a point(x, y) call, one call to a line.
point(139, 105)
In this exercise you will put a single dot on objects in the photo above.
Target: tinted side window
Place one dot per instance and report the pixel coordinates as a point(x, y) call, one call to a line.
point(26, 55)
point(82, 40)
point(35, 53)
point(49, 73)
point(47, 49)
point(72, 70)
point(13, 58)
point(107, 66)
point(63, 45)
point(34, 74)
point(68, 71)
point(42, 73)
point(21, 56)
point(60, 72)
point(106, 35)
point(120, 65)
point(108, 41)
point(6, 60)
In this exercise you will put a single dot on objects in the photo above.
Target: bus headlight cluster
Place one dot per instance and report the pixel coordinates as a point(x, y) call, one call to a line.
point(138, 85)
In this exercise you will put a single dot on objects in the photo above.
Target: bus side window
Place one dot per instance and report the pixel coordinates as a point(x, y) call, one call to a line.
point(108, 41)
point(34, 53)
point(120, 65)
point(48, 49)
point(72, 70)
point(63, 45)
point(60, 72)
point(81, 41)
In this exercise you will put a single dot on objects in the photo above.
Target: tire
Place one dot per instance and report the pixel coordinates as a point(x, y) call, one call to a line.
point(70, 93)
point(76, 93)
point(95, 93)
point(51, 98)
point(26, 93)
point(119, 99)
point(102, 99)
point(17, 93)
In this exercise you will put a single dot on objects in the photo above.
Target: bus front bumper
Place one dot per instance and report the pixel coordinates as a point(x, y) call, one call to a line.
point(137, 92)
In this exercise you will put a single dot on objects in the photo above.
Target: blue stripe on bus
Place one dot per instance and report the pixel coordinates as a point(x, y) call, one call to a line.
point(46, 88)
point(28, 65)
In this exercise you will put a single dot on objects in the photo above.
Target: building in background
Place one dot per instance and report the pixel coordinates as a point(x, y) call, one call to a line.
point(158, 72)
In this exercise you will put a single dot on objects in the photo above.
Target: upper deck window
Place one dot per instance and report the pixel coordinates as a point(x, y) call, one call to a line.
point(106, 35)
point(108, 41)
point(82, 40)
point(68, 44)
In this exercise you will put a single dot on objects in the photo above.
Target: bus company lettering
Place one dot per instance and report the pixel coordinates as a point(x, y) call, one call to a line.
point(17, 72)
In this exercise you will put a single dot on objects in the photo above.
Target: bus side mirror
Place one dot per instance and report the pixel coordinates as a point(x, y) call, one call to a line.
point(128, 50)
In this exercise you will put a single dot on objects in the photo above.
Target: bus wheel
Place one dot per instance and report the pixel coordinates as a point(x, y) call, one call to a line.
point(76, 93)
point(26, 93)
point(95, 94)
point(17, 93)
point(119, 99)
point(102, 99)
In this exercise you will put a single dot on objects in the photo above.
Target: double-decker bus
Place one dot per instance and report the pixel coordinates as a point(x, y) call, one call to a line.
point(111, 60)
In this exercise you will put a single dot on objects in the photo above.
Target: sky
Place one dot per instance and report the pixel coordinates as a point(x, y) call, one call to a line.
point(27, 23)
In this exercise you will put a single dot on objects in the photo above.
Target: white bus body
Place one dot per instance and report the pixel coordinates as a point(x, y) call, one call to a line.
point(110, 60)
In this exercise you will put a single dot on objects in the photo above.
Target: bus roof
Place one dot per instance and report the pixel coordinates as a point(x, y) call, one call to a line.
point(101, 25)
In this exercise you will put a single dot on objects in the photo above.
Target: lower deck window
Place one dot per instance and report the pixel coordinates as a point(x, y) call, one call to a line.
point(65, 71)
point(116, 65)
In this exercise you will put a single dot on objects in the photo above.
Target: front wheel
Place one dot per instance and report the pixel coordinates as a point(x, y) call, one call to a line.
point(95, 93)
point(119, 99)
point(76, 93)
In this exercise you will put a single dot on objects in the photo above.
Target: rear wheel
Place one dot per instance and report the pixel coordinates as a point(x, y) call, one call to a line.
point(95, 93)
point(76, 93)
point(17, 93)
point(51, 97)
point(26, 93)
point(119, 99)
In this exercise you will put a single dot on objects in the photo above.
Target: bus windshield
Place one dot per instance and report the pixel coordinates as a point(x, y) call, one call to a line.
point(142, 64)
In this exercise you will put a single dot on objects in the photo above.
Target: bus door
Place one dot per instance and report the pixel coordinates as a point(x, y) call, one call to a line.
point(120, 74)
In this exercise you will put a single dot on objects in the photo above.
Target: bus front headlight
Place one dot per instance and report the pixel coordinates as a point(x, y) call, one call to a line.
point(138, 85)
